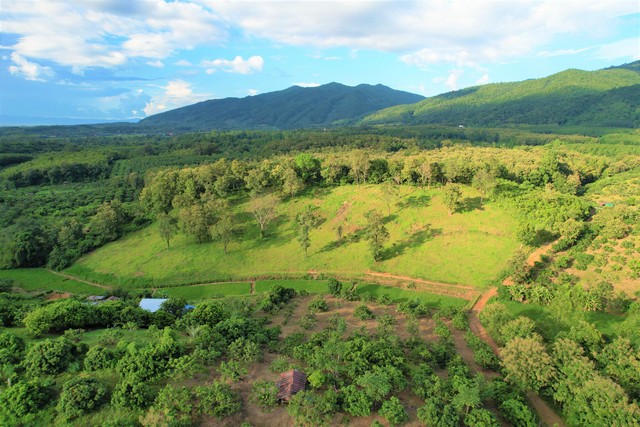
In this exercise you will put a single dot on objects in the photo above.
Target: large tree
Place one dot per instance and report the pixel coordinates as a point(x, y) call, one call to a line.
point(452, 197)
point(305, 221)
point(376, 233)
point(167, 227)
point(527, 363)
point(264, 211)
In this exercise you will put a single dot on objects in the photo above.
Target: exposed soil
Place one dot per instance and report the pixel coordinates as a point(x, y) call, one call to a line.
point(459, 291)
point(57, 295)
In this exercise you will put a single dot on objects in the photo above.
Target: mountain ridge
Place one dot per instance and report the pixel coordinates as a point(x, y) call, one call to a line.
point(294, 107)
point(603, 97)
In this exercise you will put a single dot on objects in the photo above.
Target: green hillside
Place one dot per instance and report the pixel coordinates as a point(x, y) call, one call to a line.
point(295, 107)
point(608, 97)
point(469, 248)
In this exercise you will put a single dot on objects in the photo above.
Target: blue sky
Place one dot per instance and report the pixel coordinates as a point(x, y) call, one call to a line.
point(94, 60)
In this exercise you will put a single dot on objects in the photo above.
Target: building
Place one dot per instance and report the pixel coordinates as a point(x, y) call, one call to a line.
point(290, 383)
point(151, 304)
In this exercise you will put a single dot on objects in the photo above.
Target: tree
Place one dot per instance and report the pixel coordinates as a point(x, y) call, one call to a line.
point(484, 181)
point(264, 211)
point(360, 164)
point(174, 306)
point(218, 400)
point(527, 363)
point(394, 411)
point(264, 393)
point(376, 233)
point(521, 327)
point(11, 348)
point(22, 400)
point(308, 168)
point(195, 221)
point(480, 417)
point(389, 193)
point(334, 287)
point(291, 182)
point(79, 396)
point(452, 197)
point(305, 221)
point(50, 356)
point(224, 230)
point(167, 227)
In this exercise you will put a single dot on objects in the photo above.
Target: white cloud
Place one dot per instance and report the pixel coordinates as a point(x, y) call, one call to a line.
point(252, 92)
point(628, 48)
point(156, 64)
point(82, 34)
point(428, 31)
point(307, 84)
point(237, 65)
point(177, 93)
point(483, 80)
point(28, 70)
point(452, 80)
point(183, 63)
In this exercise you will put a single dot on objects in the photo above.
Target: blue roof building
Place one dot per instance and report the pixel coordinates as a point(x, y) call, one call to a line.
point(151, 304)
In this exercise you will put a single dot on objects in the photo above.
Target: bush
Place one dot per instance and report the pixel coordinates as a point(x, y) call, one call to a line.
point(263, 394)
point(131, 393)
point(20, 401)
point(50, 356)
point(11, 348)
point(363, 312)
point(80, 396)
point(518, 413)
point(99, 357)
point(176, 405)
point(393, 411)
point(318, 304)
point(335, 287)
point(217, 400)
point(308, 321)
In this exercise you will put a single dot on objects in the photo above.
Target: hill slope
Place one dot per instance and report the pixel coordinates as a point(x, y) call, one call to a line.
point(608, 97)
point(295, 107)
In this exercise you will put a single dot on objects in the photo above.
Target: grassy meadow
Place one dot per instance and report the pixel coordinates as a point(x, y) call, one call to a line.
point(470, 247)
point(39, 279)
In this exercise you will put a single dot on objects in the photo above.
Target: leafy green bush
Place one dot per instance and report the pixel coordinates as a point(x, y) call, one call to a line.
point(394, 411)
point(363, 312)
point(318, 304)
point(79, 396)
point(263, 394)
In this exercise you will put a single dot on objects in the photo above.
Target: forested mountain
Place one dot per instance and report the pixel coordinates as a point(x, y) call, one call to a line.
point(609, 97)
point(295, 107)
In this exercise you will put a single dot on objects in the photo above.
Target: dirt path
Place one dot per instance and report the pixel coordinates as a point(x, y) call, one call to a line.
point(70, 277)
point(536, 255)
point(459, 291)
point(474, 320)
point(545, 412)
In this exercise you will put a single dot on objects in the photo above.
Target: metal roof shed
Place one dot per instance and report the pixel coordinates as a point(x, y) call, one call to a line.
point(290, 383)
point(151, 304)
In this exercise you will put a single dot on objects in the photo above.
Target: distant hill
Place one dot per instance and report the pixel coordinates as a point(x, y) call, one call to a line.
point(609, 97)
point(295, 107)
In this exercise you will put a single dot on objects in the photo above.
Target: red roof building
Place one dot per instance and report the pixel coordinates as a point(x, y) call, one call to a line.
point(290, 383)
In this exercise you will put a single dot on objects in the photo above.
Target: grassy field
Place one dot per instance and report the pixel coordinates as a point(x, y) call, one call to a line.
point(199, 292)
point(549, 325)
point(401, 295)
point(470, 247)
point(39, 279)
point(311, 286)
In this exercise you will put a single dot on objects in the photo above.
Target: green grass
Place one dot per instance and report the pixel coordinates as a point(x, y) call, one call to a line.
point(39, 279)
point(549, 326)
point(401, 295)
point(311, 286)
point(197, 293)
point(470, 247)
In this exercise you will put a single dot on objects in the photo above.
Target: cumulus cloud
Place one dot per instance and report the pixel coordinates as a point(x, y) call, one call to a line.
point(307, 84)
point(627, 48)
point(236, 65)
point(452, 79)
point(81, 34)
point(28, 70)
point(483, 80)
point(177, 93)
point(427, 31)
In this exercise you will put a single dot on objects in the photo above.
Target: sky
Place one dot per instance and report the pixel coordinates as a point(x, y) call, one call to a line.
point(99, 60)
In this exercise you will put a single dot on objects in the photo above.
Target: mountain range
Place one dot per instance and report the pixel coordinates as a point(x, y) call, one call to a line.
point(602, 98)
point(295, 107)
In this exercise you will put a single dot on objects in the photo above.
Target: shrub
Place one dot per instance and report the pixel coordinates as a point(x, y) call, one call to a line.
point(217, 400)
point(50, 356)
point(363, 312)
point(20, 401)
point(335, 287)
point(308, 321)
point(263, 394)
point(79, 396)
point(99, 357)
point(393, 411)
point(318, 304)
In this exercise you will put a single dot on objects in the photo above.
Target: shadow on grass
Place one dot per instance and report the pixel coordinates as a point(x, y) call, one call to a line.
point(415, 202)
point(470, 204)
point(414, 240)
point(548, 326)
point(345, 241)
